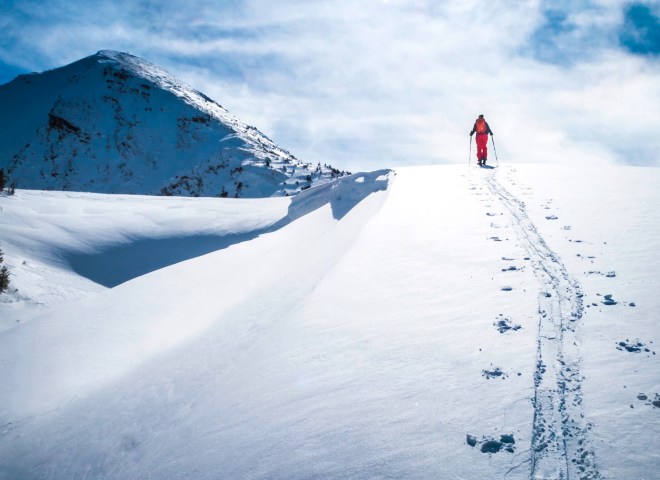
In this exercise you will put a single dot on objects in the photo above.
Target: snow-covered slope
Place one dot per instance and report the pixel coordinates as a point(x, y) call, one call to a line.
point(114, 123)
point(462, 323)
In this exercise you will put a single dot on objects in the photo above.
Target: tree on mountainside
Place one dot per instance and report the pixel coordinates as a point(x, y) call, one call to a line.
point(4, 274)
point(3, 182)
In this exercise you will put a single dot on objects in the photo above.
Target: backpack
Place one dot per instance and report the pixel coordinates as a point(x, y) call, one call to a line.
point(480, 126)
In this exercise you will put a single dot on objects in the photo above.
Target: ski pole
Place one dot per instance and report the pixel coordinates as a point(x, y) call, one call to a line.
point(470, 153)
point(492, 139)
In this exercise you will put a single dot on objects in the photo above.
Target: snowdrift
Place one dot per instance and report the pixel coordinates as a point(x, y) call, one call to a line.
point(110, 332)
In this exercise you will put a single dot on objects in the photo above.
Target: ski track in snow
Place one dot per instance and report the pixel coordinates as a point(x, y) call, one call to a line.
point(560, 434)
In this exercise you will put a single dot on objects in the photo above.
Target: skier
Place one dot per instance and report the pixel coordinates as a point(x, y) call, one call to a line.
point(482, 130)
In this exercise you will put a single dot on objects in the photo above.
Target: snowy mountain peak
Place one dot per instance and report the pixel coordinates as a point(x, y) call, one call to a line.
point(115, 123)
point(138, 67)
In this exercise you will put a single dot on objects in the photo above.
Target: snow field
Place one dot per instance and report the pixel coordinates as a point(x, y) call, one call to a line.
point(362, 334)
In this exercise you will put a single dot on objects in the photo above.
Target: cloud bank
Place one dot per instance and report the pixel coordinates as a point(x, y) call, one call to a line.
point(378, 83)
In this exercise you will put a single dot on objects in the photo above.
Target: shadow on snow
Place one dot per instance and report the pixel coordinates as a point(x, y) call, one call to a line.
point(120, 263)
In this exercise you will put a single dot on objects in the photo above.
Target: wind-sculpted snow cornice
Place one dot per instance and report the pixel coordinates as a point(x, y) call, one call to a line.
point(342, 194)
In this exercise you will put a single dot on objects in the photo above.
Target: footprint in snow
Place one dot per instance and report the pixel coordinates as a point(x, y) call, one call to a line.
point(551, 217)
point(504, 325)
point(588, 257)
point(512, 268)
point(608, 300)
point(611, 274)
point(635, 346)
point(489, 445)
point(655, 401)
point(495, 372)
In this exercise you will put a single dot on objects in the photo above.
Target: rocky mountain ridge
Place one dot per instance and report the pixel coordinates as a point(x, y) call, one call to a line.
point(115, 123)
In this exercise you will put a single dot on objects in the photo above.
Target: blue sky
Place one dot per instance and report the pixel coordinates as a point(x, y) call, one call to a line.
point(375, 83)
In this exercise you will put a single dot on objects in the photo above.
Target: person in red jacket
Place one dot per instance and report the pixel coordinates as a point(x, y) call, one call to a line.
point(482, 130)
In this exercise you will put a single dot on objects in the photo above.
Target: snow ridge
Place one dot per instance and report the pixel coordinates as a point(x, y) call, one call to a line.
point(560, 437)
point(165, 80)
